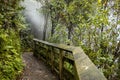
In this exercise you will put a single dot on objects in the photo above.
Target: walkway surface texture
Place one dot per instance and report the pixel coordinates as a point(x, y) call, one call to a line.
point(35, 69)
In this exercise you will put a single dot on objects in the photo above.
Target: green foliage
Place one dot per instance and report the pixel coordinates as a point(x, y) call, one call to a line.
point(10, 57)
point(59, 34)
point(26, 39)
point(86, 23)
point(11, 22)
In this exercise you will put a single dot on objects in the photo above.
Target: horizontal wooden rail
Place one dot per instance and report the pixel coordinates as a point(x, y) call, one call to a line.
point(69, 62)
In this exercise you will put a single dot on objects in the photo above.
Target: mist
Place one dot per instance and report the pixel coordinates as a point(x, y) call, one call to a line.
point(34, 17)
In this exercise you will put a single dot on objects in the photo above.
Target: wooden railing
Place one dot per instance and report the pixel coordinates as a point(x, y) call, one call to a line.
point(69, 62)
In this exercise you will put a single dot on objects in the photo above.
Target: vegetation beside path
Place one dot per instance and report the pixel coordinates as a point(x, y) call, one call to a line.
point(11, 22)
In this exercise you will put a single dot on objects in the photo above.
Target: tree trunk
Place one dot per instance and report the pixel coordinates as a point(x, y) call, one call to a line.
point(45, 26)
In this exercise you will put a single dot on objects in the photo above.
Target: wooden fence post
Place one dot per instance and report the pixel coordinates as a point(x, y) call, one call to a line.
point(61, 64)
point(52, 58)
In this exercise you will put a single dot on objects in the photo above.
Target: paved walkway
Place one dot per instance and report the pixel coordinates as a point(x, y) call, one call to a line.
point(35, 70)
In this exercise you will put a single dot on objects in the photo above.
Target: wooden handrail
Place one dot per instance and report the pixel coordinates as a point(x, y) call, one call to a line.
point(69, 62)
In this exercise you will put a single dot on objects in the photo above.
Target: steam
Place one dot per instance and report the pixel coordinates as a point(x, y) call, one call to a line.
point(34, 17)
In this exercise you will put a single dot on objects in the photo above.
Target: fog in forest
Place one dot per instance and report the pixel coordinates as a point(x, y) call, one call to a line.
point(34, 17)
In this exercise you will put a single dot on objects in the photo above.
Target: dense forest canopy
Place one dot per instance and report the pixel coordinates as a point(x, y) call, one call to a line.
point(11, 22)
point(91, 24)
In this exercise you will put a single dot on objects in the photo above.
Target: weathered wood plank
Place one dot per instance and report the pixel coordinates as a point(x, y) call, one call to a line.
point(86, 70)
point(59, 55)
